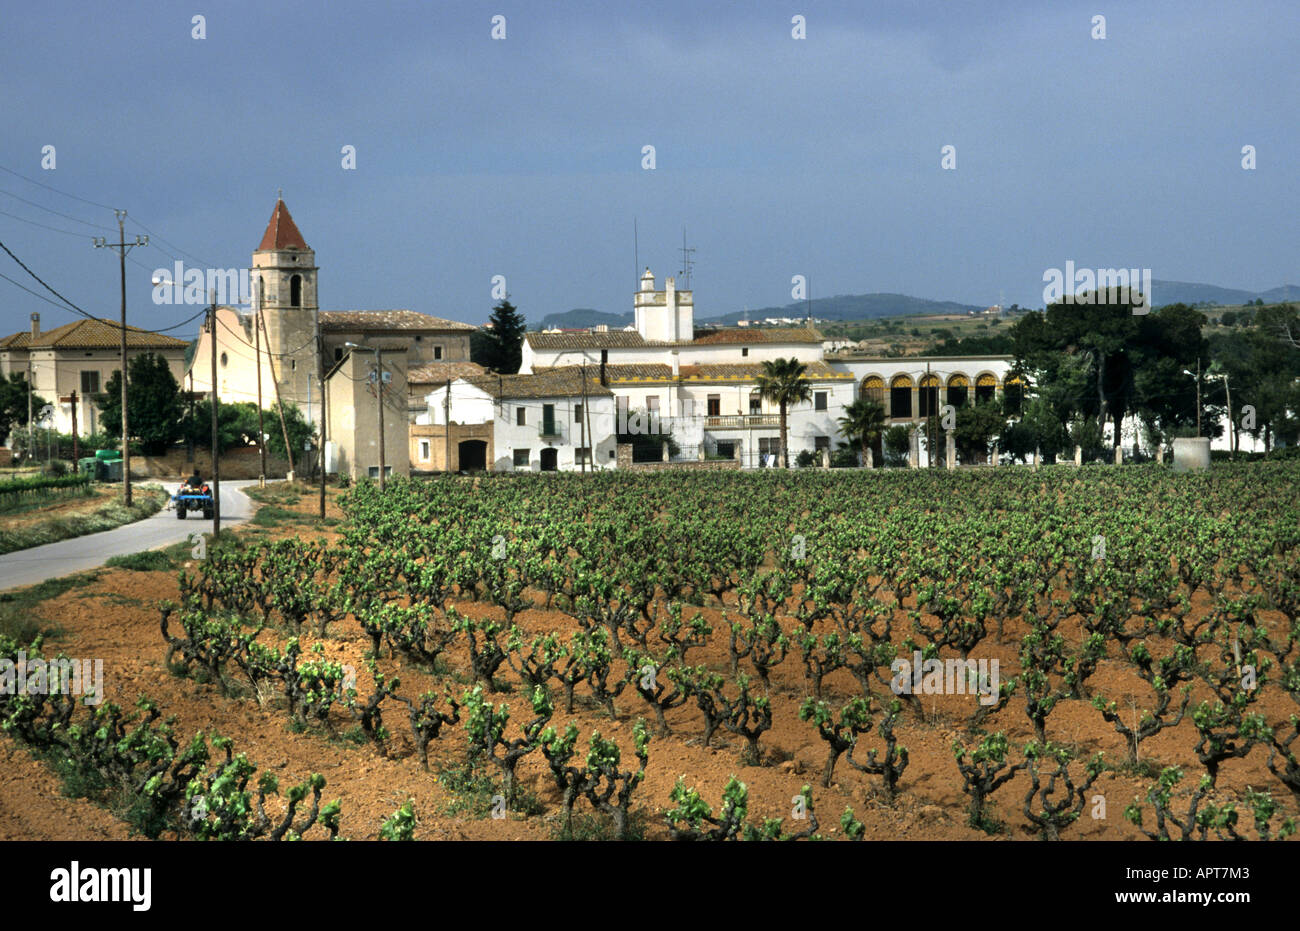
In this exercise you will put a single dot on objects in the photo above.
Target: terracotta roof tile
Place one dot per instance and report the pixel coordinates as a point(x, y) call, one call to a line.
point(552, 383)
point(102, 334)
point(388, 320)
point(281, 232)
point(433, 373)
point(749, 371)
point(631, 339)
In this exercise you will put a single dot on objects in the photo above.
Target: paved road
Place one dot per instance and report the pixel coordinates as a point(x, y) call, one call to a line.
point(28, 567)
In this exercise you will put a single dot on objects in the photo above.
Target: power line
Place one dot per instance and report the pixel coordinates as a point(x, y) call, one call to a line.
point(54, 189)
point(66, 216)
point(43, 226)
point(70, 304)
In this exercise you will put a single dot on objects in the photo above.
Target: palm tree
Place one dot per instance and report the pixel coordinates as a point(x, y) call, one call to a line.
point(863, 420)
point(782, 382)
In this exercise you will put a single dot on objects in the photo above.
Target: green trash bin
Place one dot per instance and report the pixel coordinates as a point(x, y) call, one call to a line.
point(88, 466)
point(104, 455)
point(112, 470)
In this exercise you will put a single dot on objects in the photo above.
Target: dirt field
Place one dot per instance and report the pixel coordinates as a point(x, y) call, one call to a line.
point(115, 618)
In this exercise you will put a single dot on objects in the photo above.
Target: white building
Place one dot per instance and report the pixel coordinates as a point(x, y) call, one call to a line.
point(513, 423)
point(701, 386)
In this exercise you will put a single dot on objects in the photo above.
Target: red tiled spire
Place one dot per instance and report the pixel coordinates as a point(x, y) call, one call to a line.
point(281, 233)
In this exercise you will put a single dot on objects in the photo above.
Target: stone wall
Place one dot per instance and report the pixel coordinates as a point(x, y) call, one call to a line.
point(696, 465)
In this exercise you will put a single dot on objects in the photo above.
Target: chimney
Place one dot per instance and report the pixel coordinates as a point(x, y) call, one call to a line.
point(36, 325)
point(676, 363)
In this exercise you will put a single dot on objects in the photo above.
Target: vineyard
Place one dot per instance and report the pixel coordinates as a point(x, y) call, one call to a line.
point(1057, 653)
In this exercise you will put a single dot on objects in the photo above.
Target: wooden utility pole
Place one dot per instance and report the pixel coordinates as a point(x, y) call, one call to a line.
point(261, 427)
point(275, 382)
point(216, 460)
point(446, 432)
point(320, 371)
point(76, 446)
point(28, 452)
point(379, 399)
point(122, 248)
point(586, 414)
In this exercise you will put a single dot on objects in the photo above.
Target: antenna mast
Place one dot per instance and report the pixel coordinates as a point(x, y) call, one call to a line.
point(688, 263)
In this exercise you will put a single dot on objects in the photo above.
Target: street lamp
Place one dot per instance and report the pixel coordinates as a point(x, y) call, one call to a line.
point(1197, 376)
point(379, 400)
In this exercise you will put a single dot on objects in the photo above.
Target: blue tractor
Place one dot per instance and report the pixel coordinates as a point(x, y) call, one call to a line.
point(194, 498)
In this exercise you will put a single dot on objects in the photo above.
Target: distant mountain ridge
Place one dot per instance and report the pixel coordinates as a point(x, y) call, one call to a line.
point(868, 306)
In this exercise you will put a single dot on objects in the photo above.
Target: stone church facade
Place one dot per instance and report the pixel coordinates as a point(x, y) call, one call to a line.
point(293, 342)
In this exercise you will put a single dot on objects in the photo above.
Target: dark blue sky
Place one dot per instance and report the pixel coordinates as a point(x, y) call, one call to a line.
point(522, 157)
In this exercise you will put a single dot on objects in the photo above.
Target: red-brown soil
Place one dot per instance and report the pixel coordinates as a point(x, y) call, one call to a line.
point(115, 618)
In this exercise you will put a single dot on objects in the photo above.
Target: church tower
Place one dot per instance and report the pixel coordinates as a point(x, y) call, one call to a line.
point(284, 297)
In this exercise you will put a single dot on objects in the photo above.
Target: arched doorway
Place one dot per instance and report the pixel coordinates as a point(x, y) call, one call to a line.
point(473, 455)
point(550, 459)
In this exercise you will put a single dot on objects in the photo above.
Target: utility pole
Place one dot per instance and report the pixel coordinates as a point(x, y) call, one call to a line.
point(190, 440)
point(122, 248)
point(446, 433)
point(30, 375)
point(1232, 423)
point(261, 427)
point(1198, 397)
point(216, 460)
point(76, 445)
point(379, 399)
point(320, 373)
point(279, 404)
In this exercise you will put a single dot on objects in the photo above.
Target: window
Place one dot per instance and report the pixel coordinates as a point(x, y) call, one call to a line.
point(374, 471)
point(755, 402)
point(715, 405)
point(819, 401)
point(338, 353)
point(90, 383)
point(295, 296)
point(424, 450)
point(521, 458)
point(821, 442)
point(224, 359)
point(577, 413)
point(583, 454)
point(727, 449)
point(744, 352)
point(900, 397)
point(437, 352)
point(548, 420)
point(521, 416)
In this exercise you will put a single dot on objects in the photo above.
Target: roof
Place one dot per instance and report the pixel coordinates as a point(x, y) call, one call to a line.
point(17, 340)
point(631, 339)
point(99, 334)
point(432, 373)
point(728, 371)
point(282, 233)
point(388, 320)
point(748, 335)
point(751, 371)
point(564, 382)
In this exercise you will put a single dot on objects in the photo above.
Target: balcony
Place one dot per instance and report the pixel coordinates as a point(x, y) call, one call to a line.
point(549, 431)
point(741, 421)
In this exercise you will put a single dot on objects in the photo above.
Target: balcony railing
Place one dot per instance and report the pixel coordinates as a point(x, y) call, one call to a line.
point(741, 421)
point(549, 431)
